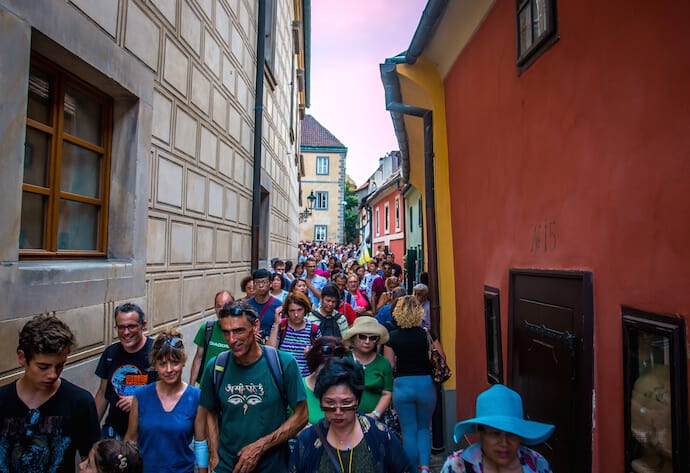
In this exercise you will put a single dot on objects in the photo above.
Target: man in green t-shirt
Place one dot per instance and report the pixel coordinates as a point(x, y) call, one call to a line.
point(216, 344)
point(247, 423)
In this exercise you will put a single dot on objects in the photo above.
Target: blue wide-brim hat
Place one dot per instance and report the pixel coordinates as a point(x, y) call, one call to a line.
point(500, 408)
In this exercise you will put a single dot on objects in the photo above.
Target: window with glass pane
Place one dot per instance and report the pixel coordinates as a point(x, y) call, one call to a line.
point(322, 163)
point(320, 232)
point(536, 28)
point(492, 327)
point(655, 380)
point(386, 218)
point(321, 200)
point(66, 166)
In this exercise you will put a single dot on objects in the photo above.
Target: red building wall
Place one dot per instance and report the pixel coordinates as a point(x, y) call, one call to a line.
point(396, 243)
point(595, 137)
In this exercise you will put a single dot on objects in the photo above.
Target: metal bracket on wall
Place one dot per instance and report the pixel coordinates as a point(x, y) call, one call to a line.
point(565, 337)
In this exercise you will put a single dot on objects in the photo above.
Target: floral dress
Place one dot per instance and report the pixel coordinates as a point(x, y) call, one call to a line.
point(531, 461)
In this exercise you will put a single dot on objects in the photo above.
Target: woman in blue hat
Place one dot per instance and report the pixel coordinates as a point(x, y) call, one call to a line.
point(503, 433)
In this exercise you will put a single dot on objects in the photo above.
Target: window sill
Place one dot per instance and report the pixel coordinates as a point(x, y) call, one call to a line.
point(57, 285)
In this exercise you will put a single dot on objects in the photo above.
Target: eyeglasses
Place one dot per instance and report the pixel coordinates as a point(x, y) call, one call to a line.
point(31, 420)
point(130, 327)
point(261, 282)
point(364, 337)
point(335, 407)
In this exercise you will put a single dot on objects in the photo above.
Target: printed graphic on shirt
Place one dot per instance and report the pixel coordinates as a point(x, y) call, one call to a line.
point(32, 445)
point(245, 395)
point(126, 378)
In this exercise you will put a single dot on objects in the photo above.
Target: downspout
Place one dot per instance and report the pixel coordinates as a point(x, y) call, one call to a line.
point(391, 85)
point(258, 131)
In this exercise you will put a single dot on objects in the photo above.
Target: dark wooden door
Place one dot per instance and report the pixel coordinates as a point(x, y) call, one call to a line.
point(550, 360)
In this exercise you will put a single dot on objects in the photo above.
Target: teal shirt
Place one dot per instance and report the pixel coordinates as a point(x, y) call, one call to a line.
point(313, 404)
point(378, 377)
point(251, 407)
point(216, 345)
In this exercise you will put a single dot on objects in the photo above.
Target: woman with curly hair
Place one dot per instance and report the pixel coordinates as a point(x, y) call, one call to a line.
point(414, 393)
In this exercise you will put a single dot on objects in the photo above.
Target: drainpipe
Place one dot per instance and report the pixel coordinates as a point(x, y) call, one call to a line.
point(258, 131)
point(394, 105)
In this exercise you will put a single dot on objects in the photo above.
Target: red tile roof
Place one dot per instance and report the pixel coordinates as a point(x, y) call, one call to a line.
point(315, 134)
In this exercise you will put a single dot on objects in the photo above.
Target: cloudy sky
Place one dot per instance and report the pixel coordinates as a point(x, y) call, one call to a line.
point(349, 40)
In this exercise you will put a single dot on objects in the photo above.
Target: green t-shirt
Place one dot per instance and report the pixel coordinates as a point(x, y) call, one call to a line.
point(313, 404)
point(378, 377)
point(251, 407)
point(216, 345)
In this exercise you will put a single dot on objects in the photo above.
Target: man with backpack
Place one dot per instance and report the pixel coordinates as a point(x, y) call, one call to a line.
point(245, 394)
point(209, 340)
point(331, 322)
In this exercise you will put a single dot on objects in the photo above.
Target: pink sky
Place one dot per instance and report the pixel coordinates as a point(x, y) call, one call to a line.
point(349, 40)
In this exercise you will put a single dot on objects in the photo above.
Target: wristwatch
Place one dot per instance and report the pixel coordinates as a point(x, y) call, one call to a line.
point(377, 414)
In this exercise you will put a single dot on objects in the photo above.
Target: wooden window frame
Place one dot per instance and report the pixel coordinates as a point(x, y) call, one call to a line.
point(386, 218)
point(397, 214)
point(62, 78)
point(542, 42)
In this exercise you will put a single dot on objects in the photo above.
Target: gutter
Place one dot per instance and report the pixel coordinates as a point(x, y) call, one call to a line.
point(258, 132)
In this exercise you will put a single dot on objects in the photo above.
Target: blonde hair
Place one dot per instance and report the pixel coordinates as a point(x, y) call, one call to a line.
point(408, 313)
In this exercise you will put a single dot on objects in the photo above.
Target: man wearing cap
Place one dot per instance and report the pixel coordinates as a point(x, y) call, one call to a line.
point(503, 433)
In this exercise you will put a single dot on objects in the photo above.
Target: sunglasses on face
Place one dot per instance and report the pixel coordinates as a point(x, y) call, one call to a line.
point(335, 407)
point(364, 337)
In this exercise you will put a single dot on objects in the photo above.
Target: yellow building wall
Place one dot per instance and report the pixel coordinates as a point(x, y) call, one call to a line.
point(331, 183)
point(422, 86)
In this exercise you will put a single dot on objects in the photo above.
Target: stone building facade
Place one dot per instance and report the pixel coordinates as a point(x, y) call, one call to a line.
point(323, 157)
point(167, 220)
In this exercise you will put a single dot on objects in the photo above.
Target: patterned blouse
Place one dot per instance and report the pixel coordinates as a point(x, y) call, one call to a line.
point(531, 461)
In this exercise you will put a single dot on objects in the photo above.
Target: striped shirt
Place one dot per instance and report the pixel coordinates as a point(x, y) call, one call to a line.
point(295, 342)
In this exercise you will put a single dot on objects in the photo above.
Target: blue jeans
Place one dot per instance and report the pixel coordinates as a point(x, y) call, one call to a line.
point(414, 397)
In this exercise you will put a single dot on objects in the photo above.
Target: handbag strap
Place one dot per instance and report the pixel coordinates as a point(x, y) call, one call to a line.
point(328, 449)
point(429, 341)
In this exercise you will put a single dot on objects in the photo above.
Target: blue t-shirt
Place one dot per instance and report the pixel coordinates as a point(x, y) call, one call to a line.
point(319, 282)
point(266, 316)
point(165, 437)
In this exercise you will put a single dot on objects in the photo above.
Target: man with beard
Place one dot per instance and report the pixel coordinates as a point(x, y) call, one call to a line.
point(245, 401)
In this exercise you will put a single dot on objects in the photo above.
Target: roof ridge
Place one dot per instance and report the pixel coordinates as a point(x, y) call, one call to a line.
point(316, 135)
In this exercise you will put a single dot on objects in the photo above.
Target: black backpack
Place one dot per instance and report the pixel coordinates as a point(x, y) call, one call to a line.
point(207, 339)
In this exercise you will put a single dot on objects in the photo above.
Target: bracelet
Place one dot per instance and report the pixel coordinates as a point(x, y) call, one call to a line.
point(201, 453)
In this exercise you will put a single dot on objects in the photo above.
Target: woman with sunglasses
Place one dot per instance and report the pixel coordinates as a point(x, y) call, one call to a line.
point(113, 456)
point(345, 441)
point(415, 393)
point(165, 416)
point(363, 339)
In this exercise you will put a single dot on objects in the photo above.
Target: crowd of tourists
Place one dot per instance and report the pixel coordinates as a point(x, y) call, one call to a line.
point(320, 366)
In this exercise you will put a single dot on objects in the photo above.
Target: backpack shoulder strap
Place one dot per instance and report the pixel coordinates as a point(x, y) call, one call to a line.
point(218, 370)
point(282, 330)
point(276, 369)
point(314, 332)
point(207, 339)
